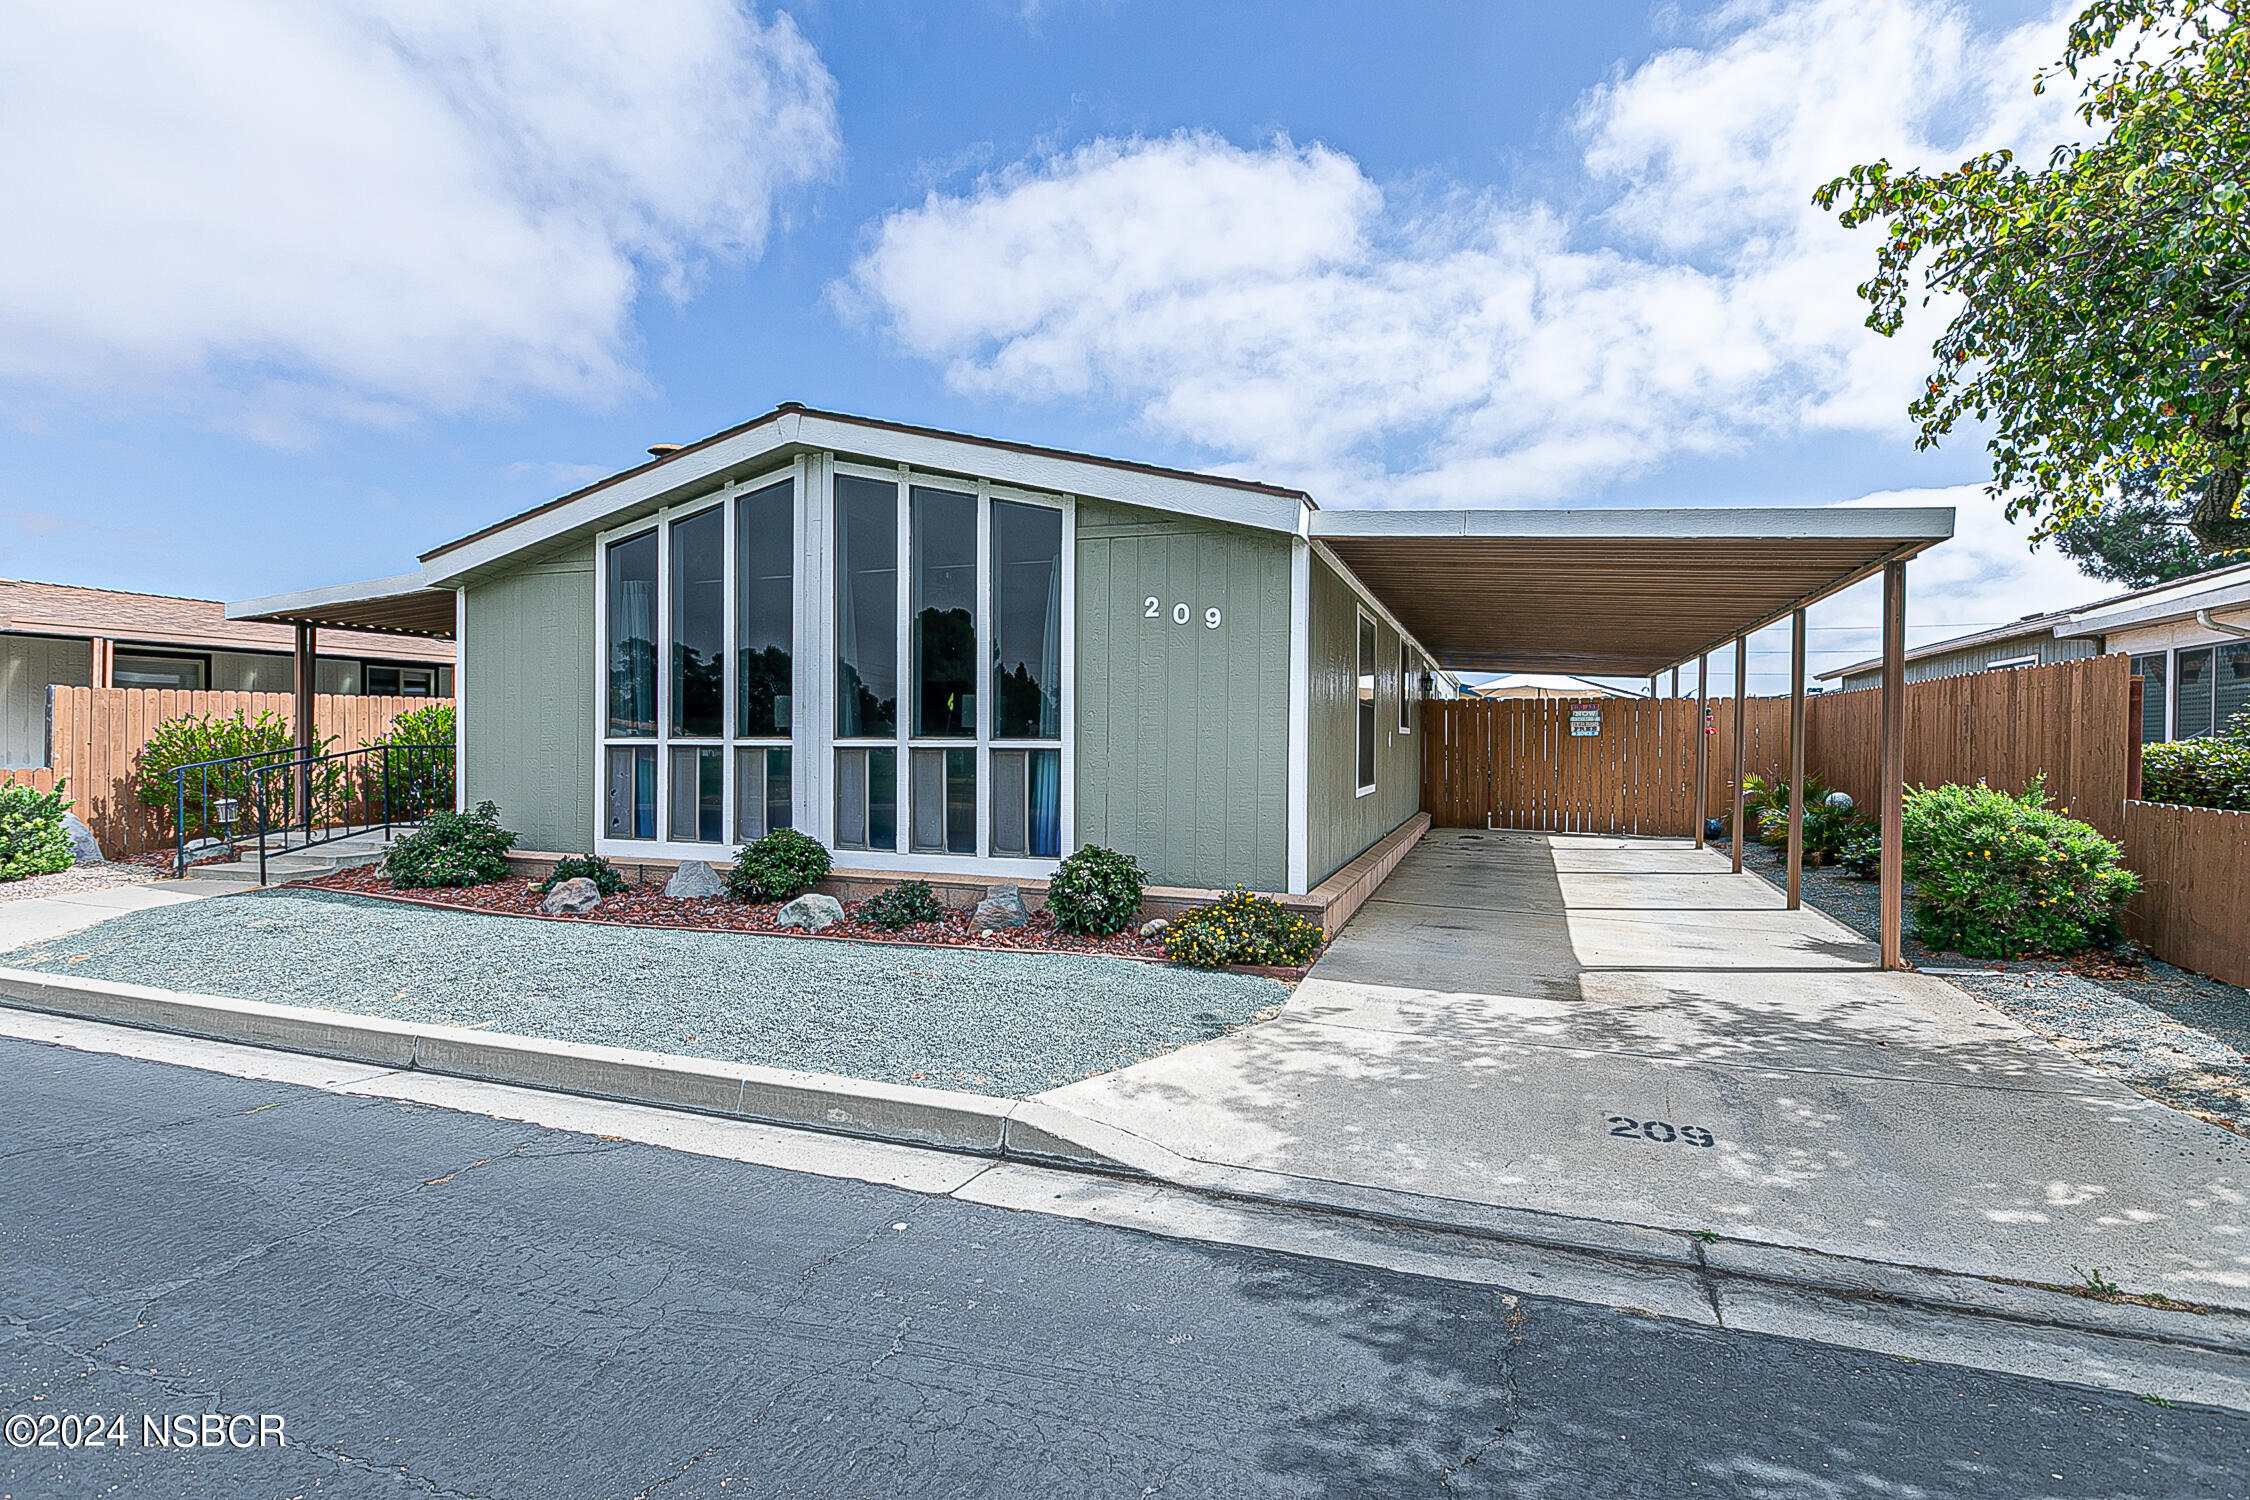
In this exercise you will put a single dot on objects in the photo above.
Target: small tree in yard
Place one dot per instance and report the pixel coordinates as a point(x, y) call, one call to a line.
point(2001, 876)
point(191, 739)
point(2103, 323)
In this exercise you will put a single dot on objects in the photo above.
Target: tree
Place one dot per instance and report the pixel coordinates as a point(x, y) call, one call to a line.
point(2104, 322)
point(2137, 538)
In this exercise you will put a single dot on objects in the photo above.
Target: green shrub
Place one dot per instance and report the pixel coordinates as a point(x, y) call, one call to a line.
point(2000, 876)
point(192, 738)
point(784, 863)
point(32, 840)
point(1241, 928)
point(903, 905)
point(452, 848)
point(1095, 891)
point(419, 765)
point(585, 867)
point(1765, 807)
point(2210, 772)
point(1862, 854)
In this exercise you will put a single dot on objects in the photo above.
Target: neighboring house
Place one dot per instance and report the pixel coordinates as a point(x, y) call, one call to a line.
point(2195, 670)
point(1544, 685)
point(950, 655)
point(57, 635)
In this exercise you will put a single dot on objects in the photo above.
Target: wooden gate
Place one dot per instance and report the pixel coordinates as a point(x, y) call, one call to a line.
point(1628, 768)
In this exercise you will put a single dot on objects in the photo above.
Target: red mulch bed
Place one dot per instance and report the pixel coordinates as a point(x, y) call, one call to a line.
point(648, 906)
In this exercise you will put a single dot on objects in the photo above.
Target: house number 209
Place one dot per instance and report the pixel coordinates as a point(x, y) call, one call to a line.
point(1153, 608)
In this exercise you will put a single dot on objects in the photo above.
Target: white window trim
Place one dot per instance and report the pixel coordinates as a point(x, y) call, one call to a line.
point(812, 740)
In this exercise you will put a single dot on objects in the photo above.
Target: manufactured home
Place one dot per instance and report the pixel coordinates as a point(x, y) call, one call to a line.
point(954, 655)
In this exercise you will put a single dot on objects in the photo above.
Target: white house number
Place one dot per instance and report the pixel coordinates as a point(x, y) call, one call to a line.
point(1153, 608)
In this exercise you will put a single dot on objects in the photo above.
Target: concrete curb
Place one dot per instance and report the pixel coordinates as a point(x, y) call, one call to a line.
point(1034, 1131)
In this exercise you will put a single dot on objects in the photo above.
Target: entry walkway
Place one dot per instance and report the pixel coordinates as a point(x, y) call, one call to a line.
point(1558, 1023)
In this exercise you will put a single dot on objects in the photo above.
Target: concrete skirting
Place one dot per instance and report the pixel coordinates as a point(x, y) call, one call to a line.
point(1344, 892)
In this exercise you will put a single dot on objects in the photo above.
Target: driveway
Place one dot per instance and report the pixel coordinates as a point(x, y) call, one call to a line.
point(1623, 1030)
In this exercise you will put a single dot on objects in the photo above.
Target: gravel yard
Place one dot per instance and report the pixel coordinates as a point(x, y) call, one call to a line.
point(2177, 1037)
point(988, 1021)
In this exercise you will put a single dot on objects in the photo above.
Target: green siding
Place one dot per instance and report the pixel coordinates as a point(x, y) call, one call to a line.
point(1343, 824)
point(1183, 731)
point(527, 712)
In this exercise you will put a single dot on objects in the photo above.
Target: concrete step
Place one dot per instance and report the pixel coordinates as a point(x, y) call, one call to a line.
point(302, 864)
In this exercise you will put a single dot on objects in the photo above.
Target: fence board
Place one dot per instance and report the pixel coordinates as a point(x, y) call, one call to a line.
point(99, 732)
point(2194, 864)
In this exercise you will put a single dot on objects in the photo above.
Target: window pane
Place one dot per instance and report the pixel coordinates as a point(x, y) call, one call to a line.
point(779, 805)
point(866, 608)
point(851, 799)
point(1046, 803)
point(1366, 725)
point(128, 670)
point(945, 626)
point(867, 799)
point(1405, 688)
point(929, 801)
point(882, 799)
point(2192, 716)
point(632, 636)
point(750, 794)
point(2150, 669)
point(1010, 824)
point(1026, 621)
point(629, 807)
point(698, 794)
point(765, 553)
point(699, 623)
point(380, 682)
point(2234, 682)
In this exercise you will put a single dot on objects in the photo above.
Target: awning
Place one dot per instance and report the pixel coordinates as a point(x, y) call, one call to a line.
point(388, 606)
point(1621, 593)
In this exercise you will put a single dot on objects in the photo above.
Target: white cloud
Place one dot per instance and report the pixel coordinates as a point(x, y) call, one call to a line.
point(345, 206)
point(1276, 307)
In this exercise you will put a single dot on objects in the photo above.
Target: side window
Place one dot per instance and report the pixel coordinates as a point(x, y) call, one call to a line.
point(1366, 705)
point(1405, 688)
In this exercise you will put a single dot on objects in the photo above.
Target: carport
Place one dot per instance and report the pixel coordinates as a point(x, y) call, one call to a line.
point(1639, 592)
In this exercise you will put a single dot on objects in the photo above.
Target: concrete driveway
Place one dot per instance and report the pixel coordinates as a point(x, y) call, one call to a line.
point(1623, 1030)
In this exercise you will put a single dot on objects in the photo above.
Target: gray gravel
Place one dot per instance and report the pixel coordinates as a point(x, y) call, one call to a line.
point(2180, 1038)
point(996, 1023)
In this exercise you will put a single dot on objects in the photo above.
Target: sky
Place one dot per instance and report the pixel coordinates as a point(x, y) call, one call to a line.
point(299, 289)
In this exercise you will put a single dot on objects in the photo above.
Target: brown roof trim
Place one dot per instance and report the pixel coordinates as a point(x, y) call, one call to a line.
point(797, 408)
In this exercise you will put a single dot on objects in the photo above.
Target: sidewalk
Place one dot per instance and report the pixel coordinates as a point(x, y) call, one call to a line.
point(42, 917)
point(1554, 1025)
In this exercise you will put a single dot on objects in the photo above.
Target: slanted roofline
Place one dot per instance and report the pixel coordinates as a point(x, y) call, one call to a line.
point(792, 428)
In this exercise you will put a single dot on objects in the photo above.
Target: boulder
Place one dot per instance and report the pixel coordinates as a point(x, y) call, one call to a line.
point(1154, 927)
point(84, 849)
point(204, 848)
point(812, 912)
point(1002, 906)
point(572, 898)
point(695, 880)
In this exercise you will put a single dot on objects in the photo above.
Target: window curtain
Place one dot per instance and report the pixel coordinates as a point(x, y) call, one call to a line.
point(1050, 658)
point(1046, 803)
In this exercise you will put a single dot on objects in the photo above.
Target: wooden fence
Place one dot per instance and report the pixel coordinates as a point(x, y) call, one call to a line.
point(1516, 760)
point(2194, 864)
point(98, 734)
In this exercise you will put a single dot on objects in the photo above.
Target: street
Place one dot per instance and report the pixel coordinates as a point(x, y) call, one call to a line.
point(443, 1303)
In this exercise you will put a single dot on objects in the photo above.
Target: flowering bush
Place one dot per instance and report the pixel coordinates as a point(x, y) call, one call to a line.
point(1095, 891)
point(1241, 928)
point(1999, 876)
point(32, 840)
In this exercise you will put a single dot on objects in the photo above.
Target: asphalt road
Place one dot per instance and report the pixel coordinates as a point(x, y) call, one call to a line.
point(438, 1303)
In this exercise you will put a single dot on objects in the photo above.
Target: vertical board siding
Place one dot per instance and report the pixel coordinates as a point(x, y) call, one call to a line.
point(1182, 731)
point(1341, 824)
point(2194, 864)
point(527, 722)
point(99, 732)
point(28, 663)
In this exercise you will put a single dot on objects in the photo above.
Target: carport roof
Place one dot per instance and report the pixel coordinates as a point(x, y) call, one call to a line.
point(403, 605)
point(1612, 592)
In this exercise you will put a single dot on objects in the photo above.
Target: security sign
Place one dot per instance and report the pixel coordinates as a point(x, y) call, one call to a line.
point(1585, 722)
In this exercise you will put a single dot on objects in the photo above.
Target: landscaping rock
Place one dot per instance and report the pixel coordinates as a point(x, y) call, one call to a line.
point(695, 880)
point(811, 912)
point(204, 849)
point(1154, 927)
point(84, 848)
point(1002, 906)
point(572, 898)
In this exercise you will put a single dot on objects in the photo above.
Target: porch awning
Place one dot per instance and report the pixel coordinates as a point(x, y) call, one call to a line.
point(388, 606)
point(1621, 593)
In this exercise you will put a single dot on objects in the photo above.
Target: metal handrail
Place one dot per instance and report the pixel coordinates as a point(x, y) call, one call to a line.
point(318, 801)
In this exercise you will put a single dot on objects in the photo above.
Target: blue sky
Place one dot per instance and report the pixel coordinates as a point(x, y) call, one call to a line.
point(314, 287)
